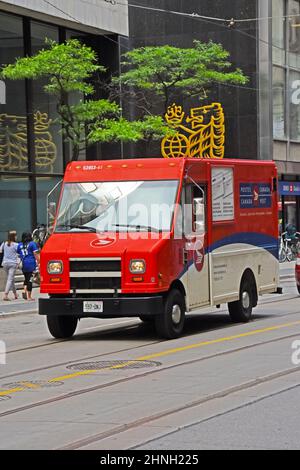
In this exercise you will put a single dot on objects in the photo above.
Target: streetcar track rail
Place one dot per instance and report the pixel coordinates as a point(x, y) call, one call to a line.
point(218, 415)
point(60, 364)
point(125, 328)
point(163, 414)
point(137, 376)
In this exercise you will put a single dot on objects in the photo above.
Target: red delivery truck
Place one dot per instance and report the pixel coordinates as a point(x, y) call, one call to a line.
point(156, 238)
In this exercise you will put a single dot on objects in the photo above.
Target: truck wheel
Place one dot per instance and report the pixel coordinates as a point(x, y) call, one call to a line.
point(170, 323)
point(62, 326)
point(241, 310)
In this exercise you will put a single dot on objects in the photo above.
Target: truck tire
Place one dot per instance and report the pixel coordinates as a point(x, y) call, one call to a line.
point(170, 323)
point(62, 326)
point(241, 310)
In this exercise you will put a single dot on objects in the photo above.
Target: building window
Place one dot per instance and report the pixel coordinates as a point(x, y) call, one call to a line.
point(13, 120)
point(279, 99)
point(295, 106)
point(15, 205)
point(48, 138)
point(294, 33)
point(279, 43)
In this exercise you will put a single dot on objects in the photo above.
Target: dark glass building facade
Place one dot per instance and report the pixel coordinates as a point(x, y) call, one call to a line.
point(261, 118)
point(33, 155)
point(152, 26)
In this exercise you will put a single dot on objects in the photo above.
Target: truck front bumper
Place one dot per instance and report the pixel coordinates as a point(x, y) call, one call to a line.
point(113, 307)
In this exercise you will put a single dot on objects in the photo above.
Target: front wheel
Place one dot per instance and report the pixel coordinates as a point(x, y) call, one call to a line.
point(241, 310)
point(62, 327)
point(170, 323)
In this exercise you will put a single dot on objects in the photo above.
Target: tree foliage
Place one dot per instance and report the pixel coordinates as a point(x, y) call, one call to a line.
point(166, 71)
point(160, 72)
point(69, 68)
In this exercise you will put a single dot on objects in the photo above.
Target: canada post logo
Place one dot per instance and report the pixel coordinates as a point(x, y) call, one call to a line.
point(255, 195)
point(100, 242)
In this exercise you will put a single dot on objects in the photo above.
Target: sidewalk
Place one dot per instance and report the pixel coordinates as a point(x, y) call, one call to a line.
point(20, 306)
point(287, 270)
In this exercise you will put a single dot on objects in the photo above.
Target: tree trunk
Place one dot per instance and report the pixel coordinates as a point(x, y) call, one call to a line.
point(75, 152)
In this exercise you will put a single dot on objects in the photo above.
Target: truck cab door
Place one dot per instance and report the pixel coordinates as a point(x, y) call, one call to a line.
point(197, 260)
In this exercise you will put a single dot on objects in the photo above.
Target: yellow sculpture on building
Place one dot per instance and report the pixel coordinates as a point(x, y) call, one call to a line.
point(13, 143)
point(204, 138)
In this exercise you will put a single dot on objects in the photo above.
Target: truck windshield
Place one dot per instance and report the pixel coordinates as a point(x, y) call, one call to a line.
point(117, 206)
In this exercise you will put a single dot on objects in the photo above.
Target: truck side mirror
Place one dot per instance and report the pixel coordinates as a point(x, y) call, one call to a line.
point(199, 215)
point(51, 214)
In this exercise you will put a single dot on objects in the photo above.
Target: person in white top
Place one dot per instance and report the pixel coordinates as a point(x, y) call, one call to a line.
point(10, 263)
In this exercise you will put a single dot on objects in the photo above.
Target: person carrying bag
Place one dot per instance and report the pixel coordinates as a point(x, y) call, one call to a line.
point(10, 263)
point(29, 254)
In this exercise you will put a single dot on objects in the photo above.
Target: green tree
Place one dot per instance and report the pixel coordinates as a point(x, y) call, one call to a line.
point(166, 72)
point(69, 68)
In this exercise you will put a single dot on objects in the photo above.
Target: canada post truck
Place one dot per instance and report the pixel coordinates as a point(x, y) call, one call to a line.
point(157, 238)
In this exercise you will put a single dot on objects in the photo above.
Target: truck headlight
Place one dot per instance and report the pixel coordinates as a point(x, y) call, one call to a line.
point(137, 266)
point(55, 267)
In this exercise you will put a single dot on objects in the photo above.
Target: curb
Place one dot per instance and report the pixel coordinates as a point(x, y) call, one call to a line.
point(16, 314)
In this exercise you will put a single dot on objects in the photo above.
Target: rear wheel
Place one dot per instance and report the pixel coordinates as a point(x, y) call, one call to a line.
point(241, 310)
point(170, 323)
point(62, 326)
point(282, 255)
point(289, 255)
point(298, 287)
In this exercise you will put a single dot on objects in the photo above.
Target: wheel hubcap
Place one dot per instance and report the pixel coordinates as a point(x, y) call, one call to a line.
point(246, 300)
point(176, 314)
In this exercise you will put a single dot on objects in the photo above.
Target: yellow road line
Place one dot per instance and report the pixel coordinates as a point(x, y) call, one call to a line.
point(216, 341)
point(155, 355)
point(11, 391)
point(29, 385)
point(72, 376)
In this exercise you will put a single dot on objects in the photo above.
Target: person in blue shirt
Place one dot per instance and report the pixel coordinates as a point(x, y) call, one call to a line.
point(29, 254)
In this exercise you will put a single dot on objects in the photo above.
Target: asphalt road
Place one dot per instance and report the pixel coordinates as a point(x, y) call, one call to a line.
point(116, 386)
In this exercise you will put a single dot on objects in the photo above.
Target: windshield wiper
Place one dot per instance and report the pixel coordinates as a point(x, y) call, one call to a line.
point(81, 227)
point(139, 227)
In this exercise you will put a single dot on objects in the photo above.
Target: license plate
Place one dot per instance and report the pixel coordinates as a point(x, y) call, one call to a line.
point(93, 307)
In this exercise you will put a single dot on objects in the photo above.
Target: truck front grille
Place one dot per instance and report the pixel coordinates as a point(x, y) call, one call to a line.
point(95, 275)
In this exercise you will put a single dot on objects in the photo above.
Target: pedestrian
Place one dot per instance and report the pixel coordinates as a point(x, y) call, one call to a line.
point(29, 254)
point(10, 263)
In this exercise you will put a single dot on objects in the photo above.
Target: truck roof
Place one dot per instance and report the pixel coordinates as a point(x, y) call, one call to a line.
point(144, 168)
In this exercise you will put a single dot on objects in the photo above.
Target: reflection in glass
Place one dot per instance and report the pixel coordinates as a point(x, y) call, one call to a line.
point(279, 93)
point(294, 107)
point(48, 140)
point(15, 205)
point(117, 206)
point(43, 187)
point(13, 121)
point(278, 31)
